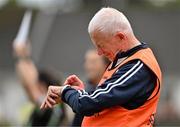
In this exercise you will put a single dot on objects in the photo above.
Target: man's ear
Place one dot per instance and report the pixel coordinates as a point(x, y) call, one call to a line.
point(120, 35)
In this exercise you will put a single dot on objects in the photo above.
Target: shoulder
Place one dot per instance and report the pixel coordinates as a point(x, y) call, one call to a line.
point(133, 70)
point(134, 66)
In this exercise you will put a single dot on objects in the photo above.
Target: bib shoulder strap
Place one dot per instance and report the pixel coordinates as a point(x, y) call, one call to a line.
point(145, 55)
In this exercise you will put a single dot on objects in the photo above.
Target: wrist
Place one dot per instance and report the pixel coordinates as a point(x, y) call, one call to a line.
point(62, 89)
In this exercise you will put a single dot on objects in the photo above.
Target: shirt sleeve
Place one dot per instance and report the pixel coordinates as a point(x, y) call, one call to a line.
point(132, 81)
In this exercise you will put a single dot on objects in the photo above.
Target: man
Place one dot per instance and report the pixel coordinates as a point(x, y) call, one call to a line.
point(94, 66)
point(128, 92)
point(36, 83)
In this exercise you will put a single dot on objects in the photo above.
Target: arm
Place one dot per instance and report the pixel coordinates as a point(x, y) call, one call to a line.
point(130, 80)
point(118, 90)
point(27, 73)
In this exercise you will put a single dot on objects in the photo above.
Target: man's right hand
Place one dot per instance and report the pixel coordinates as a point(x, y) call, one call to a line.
point(74, 81)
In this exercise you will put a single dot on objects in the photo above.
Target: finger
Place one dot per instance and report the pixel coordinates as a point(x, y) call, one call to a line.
point(43, 105)
point(53, 94)
point(70, 81)
point(77, 79)
point(66, 82)
point(48, 104)
point(51, 101)
point(74, 79)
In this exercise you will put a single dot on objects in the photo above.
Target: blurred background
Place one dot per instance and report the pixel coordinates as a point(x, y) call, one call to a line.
point(59, 37)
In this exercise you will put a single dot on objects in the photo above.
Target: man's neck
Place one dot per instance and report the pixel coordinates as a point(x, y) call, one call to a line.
point(131, 43)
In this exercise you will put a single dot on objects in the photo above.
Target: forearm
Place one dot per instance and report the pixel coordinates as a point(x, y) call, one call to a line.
point(88, 104)
point(26, 71)
point(116, 91)
point(71, 97)
point(28, 75)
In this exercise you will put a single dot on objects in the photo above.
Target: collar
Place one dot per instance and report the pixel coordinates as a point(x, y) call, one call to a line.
point(128, 53)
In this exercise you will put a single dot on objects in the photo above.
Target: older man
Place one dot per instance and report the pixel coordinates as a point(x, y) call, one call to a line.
point(129, 90)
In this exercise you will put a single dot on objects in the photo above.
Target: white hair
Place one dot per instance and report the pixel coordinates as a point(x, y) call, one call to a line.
point(109, 21)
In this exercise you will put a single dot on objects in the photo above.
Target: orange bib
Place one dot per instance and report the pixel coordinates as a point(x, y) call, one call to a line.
point(143, 116)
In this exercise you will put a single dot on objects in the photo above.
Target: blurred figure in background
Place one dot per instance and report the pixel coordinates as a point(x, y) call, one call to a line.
point(36, 83)
point(94, 66)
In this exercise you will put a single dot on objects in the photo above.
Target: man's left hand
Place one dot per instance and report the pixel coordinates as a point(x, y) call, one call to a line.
point(52, 97)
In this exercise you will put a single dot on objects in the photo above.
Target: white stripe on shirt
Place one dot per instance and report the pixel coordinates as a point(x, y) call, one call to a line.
point(115, 83)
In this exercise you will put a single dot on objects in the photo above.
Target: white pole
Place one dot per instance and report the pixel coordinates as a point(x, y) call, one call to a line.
point(23, 32)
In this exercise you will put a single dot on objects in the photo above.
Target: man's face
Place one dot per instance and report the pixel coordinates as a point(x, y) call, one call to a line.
point(94, 65)
point(106, 46)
